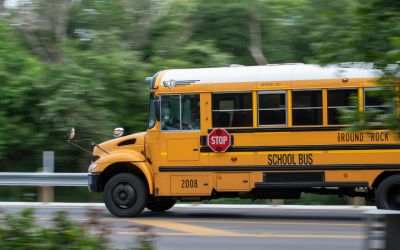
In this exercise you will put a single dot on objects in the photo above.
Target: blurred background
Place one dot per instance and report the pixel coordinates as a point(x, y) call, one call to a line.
point(82, 64)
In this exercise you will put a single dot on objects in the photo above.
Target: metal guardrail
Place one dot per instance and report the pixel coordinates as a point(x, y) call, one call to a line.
point(43, 179)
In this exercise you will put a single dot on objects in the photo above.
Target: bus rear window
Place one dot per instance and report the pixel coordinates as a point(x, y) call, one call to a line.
point(232, 110)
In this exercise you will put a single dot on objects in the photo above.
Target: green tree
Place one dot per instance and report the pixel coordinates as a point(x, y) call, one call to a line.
point(20, 73)
point(371, 35)
point(98, 83)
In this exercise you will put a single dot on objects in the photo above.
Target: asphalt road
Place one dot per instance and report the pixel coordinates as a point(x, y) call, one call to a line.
point(229, 228)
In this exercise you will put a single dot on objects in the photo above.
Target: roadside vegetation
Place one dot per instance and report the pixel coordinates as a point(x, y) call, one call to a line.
point(23, 232)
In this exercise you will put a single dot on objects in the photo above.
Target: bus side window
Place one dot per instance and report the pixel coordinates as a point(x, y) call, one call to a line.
point(232, 110)
point(377, 101)
point(307, 107)
point(339, 98)
point(272, 108)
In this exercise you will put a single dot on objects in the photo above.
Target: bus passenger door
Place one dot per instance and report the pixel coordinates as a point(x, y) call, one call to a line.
point(180, 130)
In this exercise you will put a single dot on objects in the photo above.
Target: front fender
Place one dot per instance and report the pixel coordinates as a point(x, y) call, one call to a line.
point(148, 172)
point(125, 155)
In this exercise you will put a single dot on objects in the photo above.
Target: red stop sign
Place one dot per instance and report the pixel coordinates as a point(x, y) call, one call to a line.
point(219, 140)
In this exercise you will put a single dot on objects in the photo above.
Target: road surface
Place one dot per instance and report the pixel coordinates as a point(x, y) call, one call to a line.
point(227, 227)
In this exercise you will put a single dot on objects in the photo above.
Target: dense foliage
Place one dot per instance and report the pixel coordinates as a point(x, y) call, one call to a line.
point(372, 35)
point(23, 232)
point(20, 231)
point(83, 63)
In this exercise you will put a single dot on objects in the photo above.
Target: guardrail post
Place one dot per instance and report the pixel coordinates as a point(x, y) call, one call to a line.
point(357, 201)
point(46, 193)
point(392, 231)
point(277, 202)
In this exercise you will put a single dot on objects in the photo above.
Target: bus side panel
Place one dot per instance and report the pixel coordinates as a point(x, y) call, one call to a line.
point(185, 184)
point(364, 157)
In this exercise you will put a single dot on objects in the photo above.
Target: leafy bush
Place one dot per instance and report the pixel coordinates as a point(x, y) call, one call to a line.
point(20, 232)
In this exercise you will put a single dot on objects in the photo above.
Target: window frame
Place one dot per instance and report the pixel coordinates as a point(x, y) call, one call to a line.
point(152, 96)
point(266, 92)
point(336, 107)
point(180, 115)
point(233, 110)
point(322, 106)
point(376, 89)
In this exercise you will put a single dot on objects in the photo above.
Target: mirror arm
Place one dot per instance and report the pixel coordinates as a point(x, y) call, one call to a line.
point(94, 144)
point(82, 140)
point(79, 147)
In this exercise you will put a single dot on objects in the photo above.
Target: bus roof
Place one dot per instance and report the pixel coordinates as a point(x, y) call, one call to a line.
point(239, 78)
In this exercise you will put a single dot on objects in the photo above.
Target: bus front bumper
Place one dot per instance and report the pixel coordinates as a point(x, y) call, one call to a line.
point(93, 180)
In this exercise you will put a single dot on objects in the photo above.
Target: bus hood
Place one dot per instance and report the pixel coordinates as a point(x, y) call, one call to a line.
point(130, 142)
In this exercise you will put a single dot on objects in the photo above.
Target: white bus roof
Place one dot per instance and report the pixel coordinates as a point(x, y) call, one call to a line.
point(267, 73)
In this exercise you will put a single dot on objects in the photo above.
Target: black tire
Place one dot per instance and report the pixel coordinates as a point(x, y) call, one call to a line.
point(388, 193)
point(160, 206)
point(125, 195)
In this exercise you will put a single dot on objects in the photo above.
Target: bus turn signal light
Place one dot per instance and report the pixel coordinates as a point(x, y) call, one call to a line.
point(219, 177)
point(346, 175)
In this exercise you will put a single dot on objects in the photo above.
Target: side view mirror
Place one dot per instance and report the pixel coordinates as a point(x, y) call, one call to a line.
point(118, 132)
point(157, 111)
point(71, 133)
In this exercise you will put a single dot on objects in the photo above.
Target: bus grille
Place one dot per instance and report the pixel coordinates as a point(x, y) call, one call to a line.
point(295, 177)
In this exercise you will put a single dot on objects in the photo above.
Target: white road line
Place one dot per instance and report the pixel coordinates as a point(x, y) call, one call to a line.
point(194, 206)
point(289, 207)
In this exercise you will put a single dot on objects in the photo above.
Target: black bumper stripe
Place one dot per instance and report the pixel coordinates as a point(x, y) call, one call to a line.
point(288, 129)
point(306, 147)
point(310, 184)
point(278, 168)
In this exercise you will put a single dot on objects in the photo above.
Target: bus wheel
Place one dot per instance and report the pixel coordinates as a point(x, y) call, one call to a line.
point(388, 193)
point(160, 206)
point(125, 195)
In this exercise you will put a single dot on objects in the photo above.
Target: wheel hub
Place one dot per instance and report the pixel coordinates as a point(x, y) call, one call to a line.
point(398, 198)
point(124, 195)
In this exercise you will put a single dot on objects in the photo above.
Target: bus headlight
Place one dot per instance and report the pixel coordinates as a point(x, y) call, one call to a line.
point(92, 166)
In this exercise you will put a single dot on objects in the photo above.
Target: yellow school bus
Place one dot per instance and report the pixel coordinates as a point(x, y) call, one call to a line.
point(285, 140)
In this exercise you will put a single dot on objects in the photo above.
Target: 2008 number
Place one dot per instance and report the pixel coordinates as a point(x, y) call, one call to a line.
point(189, 183)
